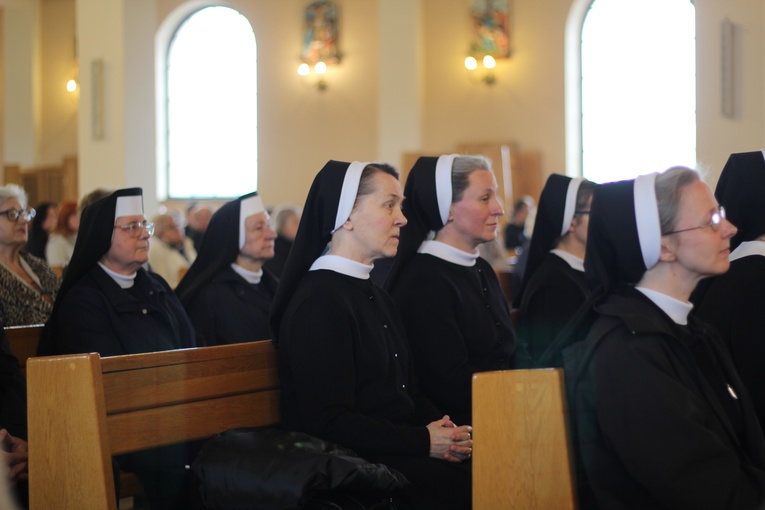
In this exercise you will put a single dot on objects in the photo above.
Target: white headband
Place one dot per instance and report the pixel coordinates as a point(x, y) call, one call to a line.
point(248, 207)
point(348, 193)
point(647, 219)
point(444, 185)
point(131, 205)
point(570, 208)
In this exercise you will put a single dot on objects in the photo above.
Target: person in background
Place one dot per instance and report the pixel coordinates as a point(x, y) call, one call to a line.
point(660, 417)
point(170, 251)
point(455, 313)
point(91, 197)
point(60, 246)
point(554, 286)
point(42, 225)
point(515, 230)
point(197, 219)
point(227, 291)
point(344, 363)
point(285, 222)
point(28, 286)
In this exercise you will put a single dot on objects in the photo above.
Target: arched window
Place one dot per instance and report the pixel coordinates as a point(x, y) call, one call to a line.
point(212, 149)
point(638, 87)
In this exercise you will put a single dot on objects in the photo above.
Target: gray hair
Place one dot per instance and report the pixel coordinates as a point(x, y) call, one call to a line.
point(14, 191)
point(462, 167)
point(161, 222)
point(283, 215)
point(669, 184)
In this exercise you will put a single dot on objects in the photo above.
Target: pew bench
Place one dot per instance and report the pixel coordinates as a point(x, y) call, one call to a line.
point(522, 457)
point(83, 409)
point(23, 341)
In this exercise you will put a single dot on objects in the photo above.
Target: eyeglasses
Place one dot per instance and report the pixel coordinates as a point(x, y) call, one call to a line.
point(135, 228)
point(14, 214)
point(714, 221)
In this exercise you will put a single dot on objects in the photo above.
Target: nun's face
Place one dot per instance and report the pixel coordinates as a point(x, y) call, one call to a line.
point(129, 250)
point(474, 219)
point(701, 250)
point(376, 221)
point(258, 238)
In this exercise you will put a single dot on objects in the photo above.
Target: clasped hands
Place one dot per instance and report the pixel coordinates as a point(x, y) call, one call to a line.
point(13, 452)
point(450, 442)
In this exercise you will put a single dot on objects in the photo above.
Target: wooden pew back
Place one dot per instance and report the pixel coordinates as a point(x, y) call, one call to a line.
point(521, 452)
point(23, 341)
point(83, 409)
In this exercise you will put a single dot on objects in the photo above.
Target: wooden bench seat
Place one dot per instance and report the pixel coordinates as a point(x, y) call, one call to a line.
point(83, 409)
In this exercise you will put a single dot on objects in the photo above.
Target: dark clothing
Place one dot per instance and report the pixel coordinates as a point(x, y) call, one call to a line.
point(229, 310)
point(650, 425)
point(515, 236)
point(36, 244)
point(196, 236)
point(553, 294)
point(282, 247)
point(13, 391)
point(458, 323)
point(96, 315)
point(733, 304)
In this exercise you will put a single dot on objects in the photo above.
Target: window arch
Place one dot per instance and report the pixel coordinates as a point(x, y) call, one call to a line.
point(211, 106)
point(631, 87)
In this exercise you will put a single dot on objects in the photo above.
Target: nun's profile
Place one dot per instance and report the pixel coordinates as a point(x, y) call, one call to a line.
point(226, 292)
point(107, 302)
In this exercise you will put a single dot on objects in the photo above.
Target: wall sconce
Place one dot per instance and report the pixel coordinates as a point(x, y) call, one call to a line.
point(72, 85)
point(319, 70)
point(488, 65)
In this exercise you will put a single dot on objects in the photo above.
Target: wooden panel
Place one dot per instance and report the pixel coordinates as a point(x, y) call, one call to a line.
point(521, 455)
point(24, 341)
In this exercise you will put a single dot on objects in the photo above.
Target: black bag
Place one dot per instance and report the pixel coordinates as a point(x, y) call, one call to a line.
point(270, 469)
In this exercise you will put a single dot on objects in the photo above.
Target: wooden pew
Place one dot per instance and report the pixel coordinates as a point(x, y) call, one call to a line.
point(83, 409)
point(521, 451)
point(23, 341)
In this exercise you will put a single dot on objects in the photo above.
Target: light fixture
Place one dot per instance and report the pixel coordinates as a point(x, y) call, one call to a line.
point(486, 73)
point(319, 70)
point(72, 84)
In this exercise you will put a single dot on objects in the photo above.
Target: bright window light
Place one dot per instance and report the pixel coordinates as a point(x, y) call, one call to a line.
point(638, 88)
point(212, 106)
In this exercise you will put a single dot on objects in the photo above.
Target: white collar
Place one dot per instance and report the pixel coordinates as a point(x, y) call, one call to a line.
point(448, 253)
point(677, 310)
point(572, 260)
point(124, 281)
point(249, 276)
point(342, 265)
point(746, 249)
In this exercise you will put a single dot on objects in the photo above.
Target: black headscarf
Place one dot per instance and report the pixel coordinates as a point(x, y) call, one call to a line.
point(549, 224)
point(740, 191)
point(94, 238)
point(421, 209)
point(315, 231)
point(219, 249)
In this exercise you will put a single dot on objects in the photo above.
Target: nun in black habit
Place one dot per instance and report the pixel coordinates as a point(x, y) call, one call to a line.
point(226, 291)
point(553, 285)
point(344, 364)
point(455, 313)
point(660, 417)
point(734, 302)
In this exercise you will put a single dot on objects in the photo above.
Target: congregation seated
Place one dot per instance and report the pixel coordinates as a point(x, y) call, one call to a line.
point(197, 220)
point(41, 227)
point(227, 292)
point(553, 285)
point(170, 250)
point(28, 285)
point(344, 364)
point(285, 221)
point(60, 246)
point(452, 305)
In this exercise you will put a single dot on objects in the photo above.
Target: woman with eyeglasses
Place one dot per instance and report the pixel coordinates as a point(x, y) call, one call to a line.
point(734, 302)
point(553, 285)
point(660, 416)
point(28, 285)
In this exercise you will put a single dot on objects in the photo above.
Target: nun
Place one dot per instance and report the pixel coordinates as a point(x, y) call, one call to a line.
point(226, 291)
point(455, 313)
point(344, 363)
point(108, 303)
point(733, 303)
point(553, 285)
point(660, 416)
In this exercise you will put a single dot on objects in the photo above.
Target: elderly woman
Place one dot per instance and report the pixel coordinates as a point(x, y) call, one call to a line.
point(28, 285)
point(661, 417)
point(60, 246)
point(226, 292)
point(733, 302)
point(454, 310)
point(553, 285)
point(344, 363)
